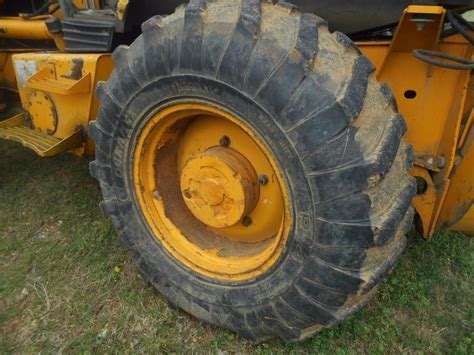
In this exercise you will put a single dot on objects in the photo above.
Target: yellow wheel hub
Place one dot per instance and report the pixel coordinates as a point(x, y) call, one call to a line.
point(219, 186)
point(211, 192)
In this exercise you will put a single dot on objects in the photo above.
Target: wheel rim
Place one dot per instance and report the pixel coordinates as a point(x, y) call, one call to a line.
point(211, 192)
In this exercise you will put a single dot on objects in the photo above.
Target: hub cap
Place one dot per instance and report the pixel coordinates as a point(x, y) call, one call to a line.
point(219, 186)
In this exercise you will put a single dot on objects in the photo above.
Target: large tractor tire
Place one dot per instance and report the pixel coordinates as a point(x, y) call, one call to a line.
point(254, 167)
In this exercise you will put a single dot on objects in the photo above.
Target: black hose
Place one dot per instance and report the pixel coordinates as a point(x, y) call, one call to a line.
point(41, 10)
point(459, 25)
point(459, 63)
point(53, 10)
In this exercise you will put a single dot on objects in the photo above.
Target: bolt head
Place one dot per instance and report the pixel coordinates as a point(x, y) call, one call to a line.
point(247, 221)
point(224, 141)
point(262, 180)
point(441, 162)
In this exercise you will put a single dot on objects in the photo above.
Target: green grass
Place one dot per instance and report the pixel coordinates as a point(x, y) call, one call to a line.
point(60, 289)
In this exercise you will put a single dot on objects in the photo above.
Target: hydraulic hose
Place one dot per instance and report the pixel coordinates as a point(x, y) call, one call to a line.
point(460, 25)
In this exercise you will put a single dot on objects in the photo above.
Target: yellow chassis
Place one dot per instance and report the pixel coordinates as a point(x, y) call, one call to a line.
point(57, 90)
point(439, 118)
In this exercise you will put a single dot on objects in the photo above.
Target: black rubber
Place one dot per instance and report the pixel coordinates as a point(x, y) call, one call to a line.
point(312, 97)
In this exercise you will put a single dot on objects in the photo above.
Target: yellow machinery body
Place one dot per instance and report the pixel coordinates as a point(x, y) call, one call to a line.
point(57, 93)
point(437, 104)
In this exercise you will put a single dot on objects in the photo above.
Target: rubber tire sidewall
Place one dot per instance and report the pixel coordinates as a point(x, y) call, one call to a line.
point(169, 275)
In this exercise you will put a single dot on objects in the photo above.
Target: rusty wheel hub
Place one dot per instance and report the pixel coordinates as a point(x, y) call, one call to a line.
point(211, 191)
point(219, 186)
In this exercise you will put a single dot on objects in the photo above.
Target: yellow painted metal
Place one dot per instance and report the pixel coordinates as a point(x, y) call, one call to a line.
point(58, 91)
point(86, 4)
point(457, 208)
point(7, 72)
point(203, 134)
point(219, 186)
point(43, 113)
point(470, 121)
point(180, 140)
point(466, 223)
point(7, 80)
point(17, 120)
point(46, 80)
point(19, 28)
point(43, 144)
point(424, 203)
point(433, 101)
point(121, 9)
point(30, 29)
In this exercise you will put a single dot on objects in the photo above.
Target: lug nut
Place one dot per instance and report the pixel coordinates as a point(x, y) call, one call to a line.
point(187, 194)
point(156, 194)
point(247, 221)
point(224, 141)
point(262, 180)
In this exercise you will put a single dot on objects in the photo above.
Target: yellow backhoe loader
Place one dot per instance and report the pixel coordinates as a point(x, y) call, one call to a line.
point(262, 161)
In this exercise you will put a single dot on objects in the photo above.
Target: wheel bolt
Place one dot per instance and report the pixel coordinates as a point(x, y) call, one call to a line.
point(262, 180)
point(187, 194)
point(247, 221)
point(224, 141)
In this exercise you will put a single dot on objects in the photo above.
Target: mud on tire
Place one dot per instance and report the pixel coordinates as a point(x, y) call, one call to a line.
point(313, 99)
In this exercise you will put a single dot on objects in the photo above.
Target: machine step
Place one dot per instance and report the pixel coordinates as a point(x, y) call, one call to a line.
point(44, 145)
point(45, 80)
